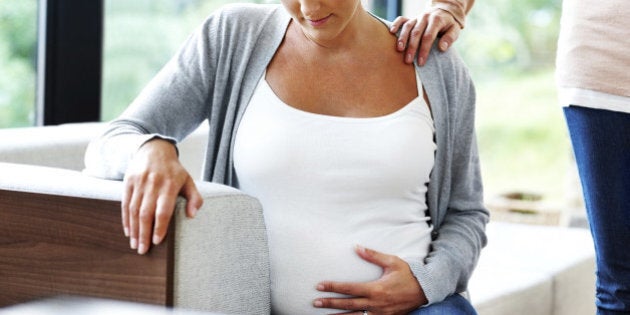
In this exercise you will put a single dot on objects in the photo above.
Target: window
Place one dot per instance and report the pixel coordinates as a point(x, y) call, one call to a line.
point(509, 47)
point(140, 37)
point(387, 9)
point(18, 46)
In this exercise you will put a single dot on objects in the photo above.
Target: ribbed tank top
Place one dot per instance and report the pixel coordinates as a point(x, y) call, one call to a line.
point(328, 183)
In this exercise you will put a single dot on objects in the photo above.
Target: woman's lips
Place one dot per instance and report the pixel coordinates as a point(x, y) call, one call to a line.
point(318, 22)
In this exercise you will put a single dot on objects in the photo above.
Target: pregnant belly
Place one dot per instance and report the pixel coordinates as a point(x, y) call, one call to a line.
point(301, 258)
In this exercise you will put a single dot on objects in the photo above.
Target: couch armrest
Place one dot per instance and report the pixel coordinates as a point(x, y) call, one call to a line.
point(60, 146)
point(221, 256)
point(64, 146)
point(60, 234)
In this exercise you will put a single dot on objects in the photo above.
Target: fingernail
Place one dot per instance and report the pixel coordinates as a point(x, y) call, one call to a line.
point(392, 29)
point(126, 230)
point(142, 248)
point(361, 249)
point(133, 243)
point(421, 61)
point(320, 287)
point(409, 58)
point(318, 303)
point(156, 239)
point(444, 45)
point(401, 45)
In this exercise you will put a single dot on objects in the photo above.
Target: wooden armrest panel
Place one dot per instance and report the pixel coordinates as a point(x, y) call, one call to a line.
point(56, 245)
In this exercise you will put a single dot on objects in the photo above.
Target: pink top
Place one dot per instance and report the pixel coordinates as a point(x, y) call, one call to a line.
point(594, 53)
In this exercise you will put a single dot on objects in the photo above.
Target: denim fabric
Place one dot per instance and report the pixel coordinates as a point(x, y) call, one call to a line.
point(453, 305)
point(601, 143)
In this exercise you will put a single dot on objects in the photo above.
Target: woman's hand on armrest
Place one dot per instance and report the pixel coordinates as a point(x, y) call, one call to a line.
point(152, 182)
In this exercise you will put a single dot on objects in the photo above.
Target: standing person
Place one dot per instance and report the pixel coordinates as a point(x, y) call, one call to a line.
point(366, 167)
point(593, 77)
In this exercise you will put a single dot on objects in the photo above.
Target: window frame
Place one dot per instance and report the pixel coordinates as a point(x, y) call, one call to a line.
point(69, 62)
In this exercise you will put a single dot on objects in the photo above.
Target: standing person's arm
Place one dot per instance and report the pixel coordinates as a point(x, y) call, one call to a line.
point(444, 20)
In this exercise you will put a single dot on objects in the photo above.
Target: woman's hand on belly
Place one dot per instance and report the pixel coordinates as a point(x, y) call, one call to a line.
point(397, 291)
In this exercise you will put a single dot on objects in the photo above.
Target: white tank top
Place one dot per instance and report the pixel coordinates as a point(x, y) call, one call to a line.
point(328, 183)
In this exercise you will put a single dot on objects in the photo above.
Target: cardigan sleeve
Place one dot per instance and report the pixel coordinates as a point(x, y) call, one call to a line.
point(455, 191)
point(171, 106)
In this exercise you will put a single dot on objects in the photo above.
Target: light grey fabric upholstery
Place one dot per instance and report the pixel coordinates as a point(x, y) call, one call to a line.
point(64, 146)
point(56, 146)
point(221, 258)
point(229, 235)
point(56, 181)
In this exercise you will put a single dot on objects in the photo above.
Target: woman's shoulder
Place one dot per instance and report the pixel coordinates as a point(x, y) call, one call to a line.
point(449, 84)
point(448, 70)
point(448, 63)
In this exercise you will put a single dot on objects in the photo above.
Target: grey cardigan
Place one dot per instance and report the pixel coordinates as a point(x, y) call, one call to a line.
point(213, 77)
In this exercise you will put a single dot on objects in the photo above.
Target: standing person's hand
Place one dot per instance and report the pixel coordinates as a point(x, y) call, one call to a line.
point(444, 20)
point(153, 180)
point(397, 291)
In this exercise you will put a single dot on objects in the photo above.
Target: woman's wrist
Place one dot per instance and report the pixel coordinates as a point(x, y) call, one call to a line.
point(161, 145)
point(456, 8)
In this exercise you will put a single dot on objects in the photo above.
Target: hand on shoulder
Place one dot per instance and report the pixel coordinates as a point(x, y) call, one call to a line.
point(443, 22)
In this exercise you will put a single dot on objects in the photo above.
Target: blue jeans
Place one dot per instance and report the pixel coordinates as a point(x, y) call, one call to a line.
point(453, 305)
point(601, 143)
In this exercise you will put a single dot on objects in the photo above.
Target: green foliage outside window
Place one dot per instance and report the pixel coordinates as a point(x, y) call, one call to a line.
point(505, 36)
point(510, 48)
point(140, 37)
point(18, 33)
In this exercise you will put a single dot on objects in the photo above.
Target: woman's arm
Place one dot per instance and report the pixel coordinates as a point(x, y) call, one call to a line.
point(444, 19)
point(172, 105)
point(455, 194)
point(139, 146)
point(152, 182)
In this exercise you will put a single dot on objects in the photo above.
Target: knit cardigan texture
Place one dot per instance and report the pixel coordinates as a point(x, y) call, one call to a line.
point(213, 76)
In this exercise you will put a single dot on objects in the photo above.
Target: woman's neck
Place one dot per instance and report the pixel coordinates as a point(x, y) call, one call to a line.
point(360, 34)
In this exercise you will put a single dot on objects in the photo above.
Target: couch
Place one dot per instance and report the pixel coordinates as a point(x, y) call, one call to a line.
point(60, 234)
point(220, 257)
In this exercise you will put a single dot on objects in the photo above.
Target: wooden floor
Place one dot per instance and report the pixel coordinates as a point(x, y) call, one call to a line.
point(54, 245)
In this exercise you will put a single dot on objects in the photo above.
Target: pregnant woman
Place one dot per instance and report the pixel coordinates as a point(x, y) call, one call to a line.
point(366, 167)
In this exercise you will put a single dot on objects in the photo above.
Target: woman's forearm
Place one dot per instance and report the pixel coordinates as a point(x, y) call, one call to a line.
point(457, 8)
